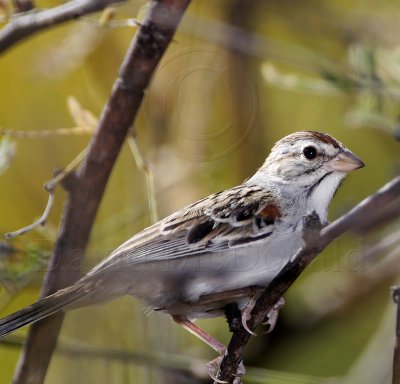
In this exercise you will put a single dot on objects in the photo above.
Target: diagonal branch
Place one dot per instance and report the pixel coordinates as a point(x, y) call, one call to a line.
point(27, 24)
point(316, 240)
point(86, 187)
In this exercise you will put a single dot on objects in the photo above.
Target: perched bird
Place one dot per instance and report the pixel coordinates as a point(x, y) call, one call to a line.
point(219, 249)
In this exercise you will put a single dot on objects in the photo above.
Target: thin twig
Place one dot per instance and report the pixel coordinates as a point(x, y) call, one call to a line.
point(39, 222)
point(315, 241)
point(46, 132)
point(145, 168)
point(27, 24)
point(51, 184)
point(86, 124)
point(50, 188)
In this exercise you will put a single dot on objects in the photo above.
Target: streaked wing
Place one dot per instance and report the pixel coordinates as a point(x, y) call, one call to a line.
point(236, 217)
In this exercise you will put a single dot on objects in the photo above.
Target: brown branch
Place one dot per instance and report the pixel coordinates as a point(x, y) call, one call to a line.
point(376, 251)
point(27, 24)
point(316, 240)
point(86, 187)
point(396, 355)
point(381, 217)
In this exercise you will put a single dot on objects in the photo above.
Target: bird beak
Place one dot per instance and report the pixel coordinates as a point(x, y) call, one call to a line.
point(345, 161)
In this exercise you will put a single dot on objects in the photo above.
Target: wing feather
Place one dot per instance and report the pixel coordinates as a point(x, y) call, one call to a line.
point(237, 217)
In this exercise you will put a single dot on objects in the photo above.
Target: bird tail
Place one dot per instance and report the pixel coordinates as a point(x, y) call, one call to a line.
point(41, 309)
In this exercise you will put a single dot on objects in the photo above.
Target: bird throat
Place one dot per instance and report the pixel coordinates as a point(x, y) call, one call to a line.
point(319, 195)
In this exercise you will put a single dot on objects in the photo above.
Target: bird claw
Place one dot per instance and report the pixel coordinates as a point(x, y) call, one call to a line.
point(272, 315)
point(246, 313)
point(271, 318)
point(213, 368)
point(245, 318)
point(241, 371)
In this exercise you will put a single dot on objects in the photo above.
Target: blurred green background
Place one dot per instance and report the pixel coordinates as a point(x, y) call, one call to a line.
point(238, 76)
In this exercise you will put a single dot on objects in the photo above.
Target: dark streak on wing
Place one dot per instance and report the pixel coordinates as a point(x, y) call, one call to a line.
point(199, 231)
point(247, 240)
point(174, 224)
point(246, 213)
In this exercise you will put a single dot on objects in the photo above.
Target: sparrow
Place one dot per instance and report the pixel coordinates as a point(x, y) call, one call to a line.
point(219, 250)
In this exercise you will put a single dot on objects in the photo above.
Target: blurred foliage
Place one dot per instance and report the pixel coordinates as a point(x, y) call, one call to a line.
point(7, 152)
point(238, 76)
point(372, 77)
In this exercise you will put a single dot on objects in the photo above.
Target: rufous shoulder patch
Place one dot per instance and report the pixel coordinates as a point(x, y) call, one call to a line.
point(270, 211)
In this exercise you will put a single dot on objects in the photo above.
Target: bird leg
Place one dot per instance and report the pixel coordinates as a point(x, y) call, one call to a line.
point(195, 330)
point(220, 298)
point(198, 332)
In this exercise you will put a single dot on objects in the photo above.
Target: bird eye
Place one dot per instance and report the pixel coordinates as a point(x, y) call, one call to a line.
point(310, 153)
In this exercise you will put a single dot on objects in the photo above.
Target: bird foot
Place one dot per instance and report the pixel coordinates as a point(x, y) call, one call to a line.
point(246, 313)
point(213, 368)
point(271, 318)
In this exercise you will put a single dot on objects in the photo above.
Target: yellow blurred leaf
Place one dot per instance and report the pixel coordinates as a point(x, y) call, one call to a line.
point(82, 117)
point(4, 9)
point(143, 11)
point(107, 15)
